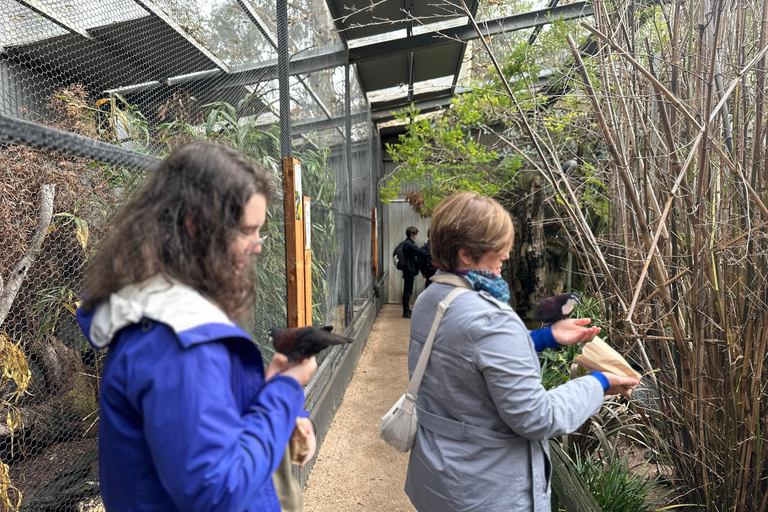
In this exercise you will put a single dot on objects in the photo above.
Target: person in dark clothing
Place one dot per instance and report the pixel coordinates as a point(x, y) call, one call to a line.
point(429, 267)
point(414, 256)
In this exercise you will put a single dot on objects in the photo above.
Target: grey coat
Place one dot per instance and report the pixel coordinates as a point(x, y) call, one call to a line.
point(484, 416)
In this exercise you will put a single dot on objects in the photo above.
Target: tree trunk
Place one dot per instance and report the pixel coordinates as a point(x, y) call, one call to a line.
point(527, 261)
point(571, 492)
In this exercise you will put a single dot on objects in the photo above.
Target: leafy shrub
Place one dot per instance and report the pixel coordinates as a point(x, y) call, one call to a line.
point(619, 487)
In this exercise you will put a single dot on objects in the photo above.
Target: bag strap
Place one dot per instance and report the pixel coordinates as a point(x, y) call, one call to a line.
point(453, 280)
point(421, 365)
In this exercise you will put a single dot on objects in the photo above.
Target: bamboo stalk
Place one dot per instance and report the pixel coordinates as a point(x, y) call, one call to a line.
point(671, 97)
point(707, 270)
point(573, 213)
point(684, 169)
point(757, 149)
point(706, 445)
point(725, 245)
point(622, 166)
point(666, 284)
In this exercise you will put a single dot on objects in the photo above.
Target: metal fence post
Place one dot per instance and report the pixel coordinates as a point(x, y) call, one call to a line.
point(350, 309)
point(283, 76)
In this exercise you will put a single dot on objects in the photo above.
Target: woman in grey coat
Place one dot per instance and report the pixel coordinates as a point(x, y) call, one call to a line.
point(484, 416)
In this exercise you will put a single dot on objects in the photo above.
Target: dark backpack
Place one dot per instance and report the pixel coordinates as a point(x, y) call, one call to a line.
point(428, 267)
point(399, 256)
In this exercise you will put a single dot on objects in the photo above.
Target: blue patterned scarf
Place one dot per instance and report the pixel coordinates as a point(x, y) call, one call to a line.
point(487, 281)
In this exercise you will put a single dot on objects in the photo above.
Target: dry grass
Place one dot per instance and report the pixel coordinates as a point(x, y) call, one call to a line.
point(79, 186)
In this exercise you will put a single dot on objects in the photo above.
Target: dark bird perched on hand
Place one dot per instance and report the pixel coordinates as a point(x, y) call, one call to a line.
point(300, 343)
point(555, 308)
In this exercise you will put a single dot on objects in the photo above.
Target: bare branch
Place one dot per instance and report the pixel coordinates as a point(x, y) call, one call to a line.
point(19, 272)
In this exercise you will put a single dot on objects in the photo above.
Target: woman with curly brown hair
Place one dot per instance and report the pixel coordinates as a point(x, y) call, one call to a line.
point(188, 419)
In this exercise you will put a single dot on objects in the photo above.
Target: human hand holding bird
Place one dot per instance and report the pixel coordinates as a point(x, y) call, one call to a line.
point(295, 349)
point(302, 370)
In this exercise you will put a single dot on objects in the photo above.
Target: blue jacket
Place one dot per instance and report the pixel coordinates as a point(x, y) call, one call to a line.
point(186, 420)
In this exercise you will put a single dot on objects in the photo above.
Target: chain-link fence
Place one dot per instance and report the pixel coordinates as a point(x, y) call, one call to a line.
point(92, 94)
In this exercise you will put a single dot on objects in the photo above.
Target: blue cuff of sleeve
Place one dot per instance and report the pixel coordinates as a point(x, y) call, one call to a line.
point(603, 380)
point(543, 339)
point(288, 380)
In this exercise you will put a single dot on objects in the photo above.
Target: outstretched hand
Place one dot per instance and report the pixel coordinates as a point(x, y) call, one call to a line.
point(572, 331)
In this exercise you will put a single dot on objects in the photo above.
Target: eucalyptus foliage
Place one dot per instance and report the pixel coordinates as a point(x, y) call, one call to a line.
point(444, 156)
point(478, 144)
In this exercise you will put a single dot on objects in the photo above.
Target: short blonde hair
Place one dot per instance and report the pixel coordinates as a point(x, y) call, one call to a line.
point(470, 221)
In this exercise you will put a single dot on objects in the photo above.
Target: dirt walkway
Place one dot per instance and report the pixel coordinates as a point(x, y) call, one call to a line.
point(355, 469)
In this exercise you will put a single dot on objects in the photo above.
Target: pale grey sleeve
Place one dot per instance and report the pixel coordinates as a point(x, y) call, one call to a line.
point(504, 355)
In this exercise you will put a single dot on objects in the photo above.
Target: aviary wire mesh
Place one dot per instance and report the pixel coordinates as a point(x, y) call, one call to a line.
point(137, 78)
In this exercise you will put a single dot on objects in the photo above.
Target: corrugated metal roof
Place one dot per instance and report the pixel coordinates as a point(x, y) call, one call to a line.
point(384, 73)
point(392, 20)
point(392, 71)
point(363, 18)
point(436, 62)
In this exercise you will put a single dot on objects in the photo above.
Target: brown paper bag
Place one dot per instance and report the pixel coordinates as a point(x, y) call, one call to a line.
point(598, 356)
point(299, 444)
point(287, 486)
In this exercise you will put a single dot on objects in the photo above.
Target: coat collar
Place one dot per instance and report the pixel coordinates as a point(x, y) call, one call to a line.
point(193, 317)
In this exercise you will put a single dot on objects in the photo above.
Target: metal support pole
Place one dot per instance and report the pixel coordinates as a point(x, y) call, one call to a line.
point(283, 76)
point(348, 145)
point(350, 310)
point(374, 203)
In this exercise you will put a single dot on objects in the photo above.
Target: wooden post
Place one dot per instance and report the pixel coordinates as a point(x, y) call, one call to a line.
point(571, 492)
point(374, 243)
point(307, 263)
point(294, 242)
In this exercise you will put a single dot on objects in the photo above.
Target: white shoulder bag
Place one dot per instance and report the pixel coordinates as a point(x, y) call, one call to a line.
point(398, 426)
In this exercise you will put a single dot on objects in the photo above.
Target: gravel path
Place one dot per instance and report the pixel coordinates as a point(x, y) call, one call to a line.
point(355, 470)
